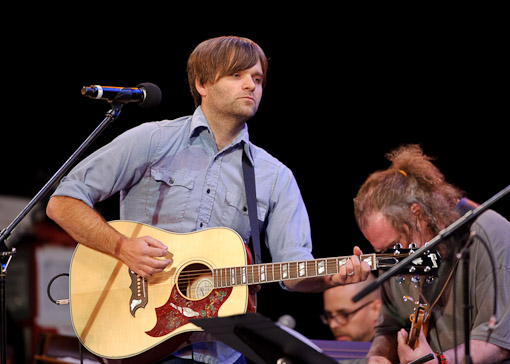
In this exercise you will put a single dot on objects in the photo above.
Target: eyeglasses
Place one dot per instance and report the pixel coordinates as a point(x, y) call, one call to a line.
point(339, 316)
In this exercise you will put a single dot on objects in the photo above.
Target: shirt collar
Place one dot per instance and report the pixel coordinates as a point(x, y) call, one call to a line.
point(199, 123)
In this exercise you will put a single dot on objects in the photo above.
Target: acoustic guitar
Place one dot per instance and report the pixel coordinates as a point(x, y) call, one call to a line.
point(123, 317)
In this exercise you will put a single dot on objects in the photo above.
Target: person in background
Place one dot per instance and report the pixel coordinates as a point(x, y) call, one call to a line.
point(350, 321)
point(410, 202)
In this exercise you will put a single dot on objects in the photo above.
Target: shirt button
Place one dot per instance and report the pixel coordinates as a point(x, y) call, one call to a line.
point(201, 224)
point(208, 191)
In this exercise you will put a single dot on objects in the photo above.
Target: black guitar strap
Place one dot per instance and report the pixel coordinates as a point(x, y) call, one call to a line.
point(251, 199)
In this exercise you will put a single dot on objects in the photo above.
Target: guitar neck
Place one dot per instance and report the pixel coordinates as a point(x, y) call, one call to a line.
point(276, 272)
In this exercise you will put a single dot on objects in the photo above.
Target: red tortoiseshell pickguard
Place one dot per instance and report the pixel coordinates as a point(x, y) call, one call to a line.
point(170, 316)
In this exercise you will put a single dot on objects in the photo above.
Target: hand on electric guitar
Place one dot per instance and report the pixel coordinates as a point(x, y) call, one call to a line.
point(406, 353)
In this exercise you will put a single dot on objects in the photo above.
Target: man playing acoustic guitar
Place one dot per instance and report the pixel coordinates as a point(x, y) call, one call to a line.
point(410, 202)
point(186, 175)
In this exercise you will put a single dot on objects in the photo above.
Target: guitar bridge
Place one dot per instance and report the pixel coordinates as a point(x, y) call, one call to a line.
point(139, 292)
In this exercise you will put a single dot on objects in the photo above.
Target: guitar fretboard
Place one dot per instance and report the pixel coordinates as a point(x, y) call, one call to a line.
point(276, 272)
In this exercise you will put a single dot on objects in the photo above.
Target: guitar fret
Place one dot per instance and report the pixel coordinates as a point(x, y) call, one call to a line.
point(370, 259)
point(331, 266)
point(269, 273)
point(225, 277)
point(321, 267)
point(292, 270)
point(262, 273)
point(302, 269)
point(341, 262)
point(217, 278)
point(277, 272)
point(243, 275)
point(311, 269)
point(237, 275)
point(285, 268)
point(249, 274)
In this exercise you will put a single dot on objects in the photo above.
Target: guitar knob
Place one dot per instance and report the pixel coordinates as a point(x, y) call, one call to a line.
point(415, 279)
point(429, 279)
point(400, 279)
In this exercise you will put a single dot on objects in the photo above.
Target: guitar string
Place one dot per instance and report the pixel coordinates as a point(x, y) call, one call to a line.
point(293, 268)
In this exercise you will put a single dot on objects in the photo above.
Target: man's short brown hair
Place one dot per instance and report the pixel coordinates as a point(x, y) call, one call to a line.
point(222, 56)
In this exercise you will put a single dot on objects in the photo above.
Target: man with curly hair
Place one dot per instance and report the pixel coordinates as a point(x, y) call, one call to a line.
point(410, 202)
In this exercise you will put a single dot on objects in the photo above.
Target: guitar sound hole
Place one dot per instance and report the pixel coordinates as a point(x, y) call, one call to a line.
point(195, 281)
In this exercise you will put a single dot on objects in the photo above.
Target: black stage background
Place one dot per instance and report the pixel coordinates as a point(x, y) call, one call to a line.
point(341, 93)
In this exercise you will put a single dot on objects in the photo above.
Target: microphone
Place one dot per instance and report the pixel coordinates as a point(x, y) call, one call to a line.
point(146, 94)
point(287, 320)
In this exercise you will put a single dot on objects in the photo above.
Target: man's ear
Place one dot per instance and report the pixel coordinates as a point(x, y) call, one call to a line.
point(416, 209)
point(200, 88)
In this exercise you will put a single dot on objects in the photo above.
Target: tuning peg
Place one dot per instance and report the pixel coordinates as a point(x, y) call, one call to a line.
point(397, 246)
point(413, 246)
point(412, 269)
point(415, 279)
point(429, 279)
point(400, 279)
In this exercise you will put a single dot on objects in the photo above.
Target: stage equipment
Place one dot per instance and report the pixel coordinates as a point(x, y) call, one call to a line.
point(147, 93)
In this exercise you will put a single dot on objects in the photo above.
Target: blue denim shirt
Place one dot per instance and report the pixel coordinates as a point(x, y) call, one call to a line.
point(171, 175)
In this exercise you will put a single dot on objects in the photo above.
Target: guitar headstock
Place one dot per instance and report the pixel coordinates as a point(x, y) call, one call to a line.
point(425, 264)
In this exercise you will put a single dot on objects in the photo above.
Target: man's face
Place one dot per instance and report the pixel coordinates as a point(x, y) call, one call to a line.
point(236, 95)
point(382, 235)
point(350, 321)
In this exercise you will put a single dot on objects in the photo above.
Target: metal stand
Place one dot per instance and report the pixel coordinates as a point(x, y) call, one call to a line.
point(465, 255)
point(6, 254)
point(261, 341)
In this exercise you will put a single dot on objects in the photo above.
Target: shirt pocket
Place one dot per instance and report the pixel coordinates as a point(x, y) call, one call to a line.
point(168, 195)
point(235, 213)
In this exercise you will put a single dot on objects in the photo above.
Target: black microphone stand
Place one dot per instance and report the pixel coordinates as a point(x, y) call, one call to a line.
point(468, 217)
point(6, 254)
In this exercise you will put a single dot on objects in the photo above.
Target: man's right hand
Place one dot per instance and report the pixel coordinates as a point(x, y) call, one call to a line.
point(144, 255)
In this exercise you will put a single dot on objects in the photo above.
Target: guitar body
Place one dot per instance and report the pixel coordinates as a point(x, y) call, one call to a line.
point(122, 317)
point(418, 322)
point(118, 315)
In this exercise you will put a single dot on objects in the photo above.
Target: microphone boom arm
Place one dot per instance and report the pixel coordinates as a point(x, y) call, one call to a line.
point(111, 116)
